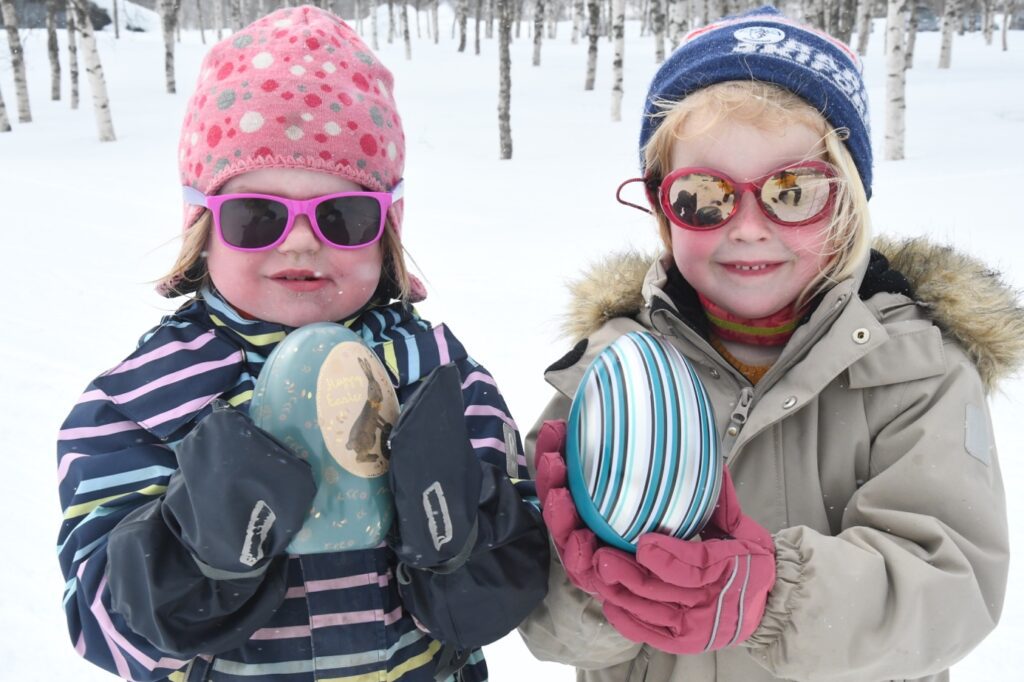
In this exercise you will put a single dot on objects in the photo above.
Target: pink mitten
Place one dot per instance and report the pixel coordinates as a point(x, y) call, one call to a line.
point(574, 541)
point(685, 597)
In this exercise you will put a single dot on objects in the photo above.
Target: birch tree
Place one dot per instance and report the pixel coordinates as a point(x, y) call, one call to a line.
point(538, 29)
point(658, 29)
point(169, 21)
point(1008, 6)
point(94, 70)
point(988, 14)
point(53, 48)
point(117, 21)
point(593, 30)
point(434, 21)
point(405, 30)
point(374, 31)
point(577, 20)
point(461, 18)
point(202, 27)
point(863, 26)
point(895, 80)
point(218, 18)
point(72, 57)
point(505, 78)
point(476, 29)
point(5, 124)
point(911, 35)
point(949, 17)
point(618, 34)
point(391, 21)
point(17, 60)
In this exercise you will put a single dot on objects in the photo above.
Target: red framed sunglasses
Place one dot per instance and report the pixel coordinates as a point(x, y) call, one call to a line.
point(705, 199)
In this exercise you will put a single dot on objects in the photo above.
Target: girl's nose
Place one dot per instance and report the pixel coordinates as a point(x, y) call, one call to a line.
point(301, 239)
point(750, 224)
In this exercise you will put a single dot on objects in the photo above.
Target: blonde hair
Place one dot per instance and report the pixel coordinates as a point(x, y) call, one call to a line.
point(770, 107)
point(189, 273)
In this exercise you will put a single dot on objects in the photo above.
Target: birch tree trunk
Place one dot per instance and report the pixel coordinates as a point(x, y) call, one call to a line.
point(168, 21)
point(593, 34)
point(391, 21)
point(53, 48)
point(94, 70)
point(218, 18)
point(895, 80)
point(552, 17)
point(675, 28)
point(117, 22)
point(461, 15)
point(863, 26)
point(404, 18)
point(1008, 6)
point(5, 124)
point(618, 31)
point(489, 21)
point(505, 78)
point(577, 21)
point(476, 27)
point(17, 60)
point(374, 31)
point(949, 22)
point(434, 21)
point(199, 20)
point(538, 30)
point(658, 29)
point(235, 7)
point(911, 35)
point(72, 56)
point(988, 13)
point(846, 14)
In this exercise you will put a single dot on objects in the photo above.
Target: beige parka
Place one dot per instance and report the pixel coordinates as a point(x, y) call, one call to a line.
point(866, 450)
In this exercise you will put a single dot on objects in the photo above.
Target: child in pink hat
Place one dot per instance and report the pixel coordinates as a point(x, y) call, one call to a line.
point(291, 159)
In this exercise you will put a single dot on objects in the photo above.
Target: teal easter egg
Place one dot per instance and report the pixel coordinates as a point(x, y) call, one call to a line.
point(324, 394)
point(641, 446)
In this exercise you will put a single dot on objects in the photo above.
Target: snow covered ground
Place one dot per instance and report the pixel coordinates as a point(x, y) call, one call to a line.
point(89, 225)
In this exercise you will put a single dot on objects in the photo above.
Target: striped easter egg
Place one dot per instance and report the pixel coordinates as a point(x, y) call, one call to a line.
point(641, 450)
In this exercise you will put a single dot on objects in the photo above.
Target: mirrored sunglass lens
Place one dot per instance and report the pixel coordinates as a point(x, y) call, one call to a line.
point(796, 194)
point(252, 223)
point(349, 221)
point(702, 199)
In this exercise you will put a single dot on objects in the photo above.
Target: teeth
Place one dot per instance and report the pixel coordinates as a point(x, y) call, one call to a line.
point(750, 267)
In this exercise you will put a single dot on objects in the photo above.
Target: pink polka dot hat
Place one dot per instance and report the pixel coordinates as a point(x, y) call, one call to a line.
point(295, 89)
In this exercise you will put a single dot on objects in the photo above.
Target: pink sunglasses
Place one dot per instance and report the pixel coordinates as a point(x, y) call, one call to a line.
point(704, 199)
point(259, 222)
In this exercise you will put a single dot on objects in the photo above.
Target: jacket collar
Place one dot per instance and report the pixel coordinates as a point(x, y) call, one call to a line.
point(966, 299)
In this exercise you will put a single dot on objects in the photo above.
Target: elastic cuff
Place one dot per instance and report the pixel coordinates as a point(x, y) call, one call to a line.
point(214, 573)
point(789, 577)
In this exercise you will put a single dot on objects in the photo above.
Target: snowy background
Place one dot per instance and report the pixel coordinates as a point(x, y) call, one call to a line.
point(90, 225)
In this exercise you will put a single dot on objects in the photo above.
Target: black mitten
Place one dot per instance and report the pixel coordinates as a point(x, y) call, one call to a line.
point(200, 569)
point(434, 475)
point(239, 495)
point(463, 535)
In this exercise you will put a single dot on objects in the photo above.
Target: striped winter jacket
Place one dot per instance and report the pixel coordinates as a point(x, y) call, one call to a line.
point(342, 618)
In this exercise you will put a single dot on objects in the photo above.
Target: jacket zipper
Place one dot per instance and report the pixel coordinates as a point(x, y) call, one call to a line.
point(738, 418)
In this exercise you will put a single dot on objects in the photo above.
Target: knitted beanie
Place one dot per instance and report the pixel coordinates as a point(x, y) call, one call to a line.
point(763, 45)
point(295, 89)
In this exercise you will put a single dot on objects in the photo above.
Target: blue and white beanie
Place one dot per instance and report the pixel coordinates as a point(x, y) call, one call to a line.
point(764, 45)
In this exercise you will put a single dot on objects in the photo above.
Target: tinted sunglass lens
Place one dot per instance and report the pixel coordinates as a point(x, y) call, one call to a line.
point(702, 200)
point(796, 194)
point(252, 223)
point(349, 221)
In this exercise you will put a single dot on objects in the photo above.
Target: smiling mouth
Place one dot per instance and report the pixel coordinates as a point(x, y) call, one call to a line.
point(297, 276)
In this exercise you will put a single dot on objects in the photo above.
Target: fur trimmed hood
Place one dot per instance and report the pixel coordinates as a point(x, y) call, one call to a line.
point(966, 299)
